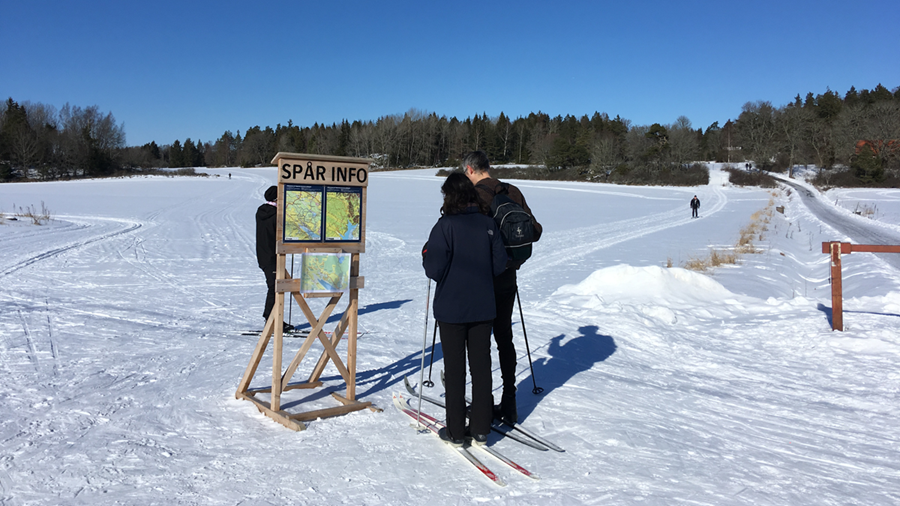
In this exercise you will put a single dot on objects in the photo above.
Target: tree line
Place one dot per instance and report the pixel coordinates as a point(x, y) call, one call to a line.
point(51, 144)
point(859, 131)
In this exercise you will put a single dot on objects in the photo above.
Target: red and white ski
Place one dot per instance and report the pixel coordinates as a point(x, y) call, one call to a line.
point(435, 427)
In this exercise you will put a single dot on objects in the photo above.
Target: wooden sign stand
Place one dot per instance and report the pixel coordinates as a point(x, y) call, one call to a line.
point(330, 173)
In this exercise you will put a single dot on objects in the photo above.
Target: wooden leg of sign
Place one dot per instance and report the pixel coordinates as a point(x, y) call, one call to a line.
point(353, 309)
point(279, 338)
point(257, 356)
point(837, 296)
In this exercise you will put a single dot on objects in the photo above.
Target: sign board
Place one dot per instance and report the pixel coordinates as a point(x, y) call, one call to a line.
point(323, 202)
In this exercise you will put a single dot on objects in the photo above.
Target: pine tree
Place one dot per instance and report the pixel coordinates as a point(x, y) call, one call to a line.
point(188, 153)
point(176, 157)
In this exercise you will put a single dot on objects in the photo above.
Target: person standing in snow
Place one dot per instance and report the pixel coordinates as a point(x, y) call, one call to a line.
point(695, 206)
point(478, 169)
point(463, 254)
point(266, 215)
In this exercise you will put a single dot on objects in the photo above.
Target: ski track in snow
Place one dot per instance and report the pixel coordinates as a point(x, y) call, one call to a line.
point(119, 352)
point(77, 224)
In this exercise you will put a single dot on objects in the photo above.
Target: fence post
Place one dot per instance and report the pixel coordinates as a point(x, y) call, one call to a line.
point(837, 298)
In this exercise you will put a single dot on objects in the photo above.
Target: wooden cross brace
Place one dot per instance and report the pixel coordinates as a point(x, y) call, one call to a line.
point(280, 381)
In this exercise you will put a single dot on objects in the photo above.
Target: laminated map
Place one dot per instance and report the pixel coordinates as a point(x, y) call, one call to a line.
point(325, 272)
point(319, 214)
point(342, 210)
point(302, 213)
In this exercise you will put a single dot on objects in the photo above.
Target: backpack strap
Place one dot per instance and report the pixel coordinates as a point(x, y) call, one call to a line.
point(500, 188)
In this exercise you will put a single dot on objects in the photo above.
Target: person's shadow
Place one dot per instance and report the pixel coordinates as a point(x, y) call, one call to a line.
point(369, 308)
point(566, 360)
point(373, 381)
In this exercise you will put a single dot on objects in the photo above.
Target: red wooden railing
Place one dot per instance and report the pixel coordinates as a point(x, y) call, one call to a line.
point(836, 249)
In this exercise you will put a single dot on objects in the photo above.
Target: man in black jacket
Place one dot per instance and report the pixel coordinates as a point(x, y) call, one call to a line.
point(266, 215)
point(477, 169)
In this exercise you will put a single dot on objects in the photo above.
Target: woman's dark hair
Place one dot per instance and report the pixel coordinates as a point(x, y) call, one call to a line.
point(459, 193)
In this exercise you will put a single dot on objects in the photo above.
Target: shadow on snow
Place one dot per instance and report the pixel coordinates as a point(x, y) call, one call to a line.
point(566, 360)
point(369, 308)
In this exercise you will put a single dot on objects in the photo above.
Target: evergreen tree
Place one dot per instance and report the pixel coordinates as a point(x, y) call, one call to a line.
point(828, 105)
point(868, 166)
point(881, 94)
point(176, 155)
point(851, 98)
point(188, 153)
point(659, 146)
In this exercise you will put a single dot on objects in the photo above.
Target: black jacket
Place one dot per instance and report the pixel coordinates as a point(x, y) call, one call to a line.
point(266, 215)
point(464, 254)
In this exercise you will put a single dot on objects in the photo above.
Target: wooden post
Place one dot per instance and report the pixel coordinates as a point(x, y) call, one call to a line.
point(837, 297)
point(351, 338)
point(279, 336)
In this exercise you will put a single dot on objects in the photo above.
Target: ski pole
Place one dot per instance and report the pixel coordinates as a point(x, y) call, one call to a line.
point(537, 389)
point(422, 366)
point(428, 383)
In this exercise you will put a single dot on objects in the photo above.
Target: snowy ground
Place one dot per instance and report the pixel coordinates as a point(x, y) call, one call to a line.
point(120, 353)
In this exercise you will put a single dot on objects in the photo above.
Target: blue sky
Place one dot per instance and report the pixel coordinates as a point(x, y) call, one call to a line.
point(193, 69)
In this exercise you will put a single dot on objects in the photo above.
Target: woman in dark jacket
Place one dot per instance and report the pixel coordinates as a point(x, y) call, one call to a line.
point(463, 254)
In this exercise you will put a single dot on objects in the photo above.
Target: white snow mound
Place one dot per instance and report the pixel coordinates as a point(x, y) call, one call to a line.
point(626, 284)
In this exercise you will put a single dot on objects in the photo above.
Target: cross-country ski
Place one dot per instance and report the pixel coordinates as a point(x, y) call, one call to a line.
point(433, 426)
point(434, 422)
point(496, 426)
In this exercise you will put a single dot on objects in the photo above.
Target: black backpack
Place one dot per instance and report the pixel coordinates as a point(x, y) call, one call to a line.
point(515, 224)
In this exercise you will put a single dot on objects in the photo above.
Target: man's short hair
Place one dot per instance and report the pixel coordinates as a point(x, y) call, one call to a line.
point(478, 160)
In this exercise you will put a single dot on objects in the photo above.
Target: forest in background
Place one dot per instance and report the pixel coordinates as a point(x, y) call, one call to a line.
point(853, 140)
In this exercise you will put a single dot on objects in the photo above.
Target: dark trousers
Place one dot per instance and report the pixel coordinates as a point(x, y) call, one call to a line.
point(456, 338)
point(694, 212)
point(270, 297)
point(505, 298)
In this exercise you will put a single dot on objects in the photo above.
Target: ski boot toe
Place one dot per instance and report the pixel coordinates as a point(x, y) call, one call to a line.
point(477, 439)
point(445, 437)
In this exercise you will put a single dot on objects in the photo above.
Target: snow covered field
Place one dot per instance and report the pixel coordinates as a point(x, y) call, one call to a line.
point(120, 352)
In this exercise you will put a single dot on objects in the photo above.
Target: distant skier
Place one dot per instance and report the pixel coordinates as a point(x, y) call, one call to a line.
point(695, 205)
point(265, 248)
point(229, 175)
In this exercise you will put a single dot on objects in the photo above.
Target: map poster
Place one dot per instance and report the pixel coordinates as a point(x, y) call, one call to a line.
point(325, 272)
point(343, 206)
point(302, 213)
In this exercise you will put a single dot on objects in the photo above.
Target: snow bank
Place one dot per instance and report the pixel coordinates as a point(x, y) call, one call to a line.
point(625, 284)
